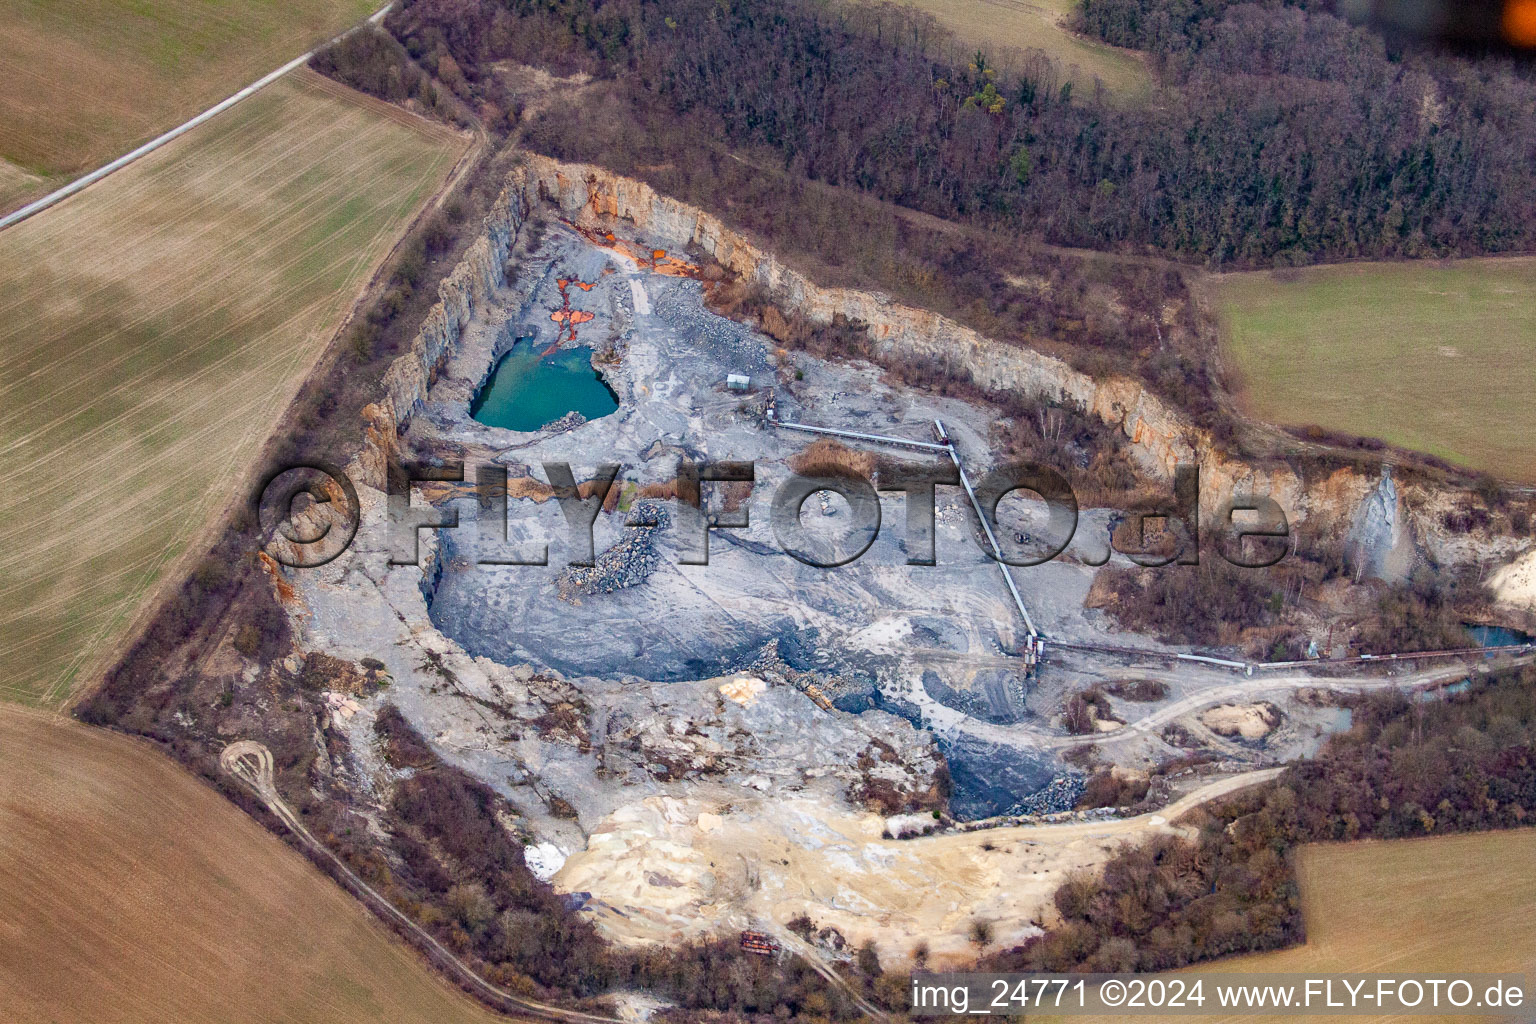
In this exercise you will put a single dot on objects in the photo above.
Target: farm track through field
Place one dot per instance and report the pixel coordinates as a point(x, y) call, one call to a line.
point(154, 326)
point(136, 892)
point(86, 180)
point(84, 83)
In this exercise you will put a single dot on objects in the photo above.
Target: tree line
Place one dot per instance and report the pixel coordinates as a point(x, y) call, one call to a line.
point(1281, 135)
point(1405, 768)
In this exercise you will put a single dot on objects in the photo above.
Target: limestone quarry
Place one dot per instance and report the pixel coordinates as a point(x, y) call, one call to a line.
point(701, 748)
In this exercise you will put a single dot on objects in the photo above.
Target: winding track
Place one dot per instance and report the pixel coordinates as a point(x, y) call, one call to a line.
point(1218, 686)
point(1253, 688)
point(251, 763)
point(1066, 831)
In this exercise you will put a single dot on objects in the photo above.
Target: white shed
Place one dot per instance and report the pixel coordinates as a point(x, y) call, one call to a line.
point(738, 381)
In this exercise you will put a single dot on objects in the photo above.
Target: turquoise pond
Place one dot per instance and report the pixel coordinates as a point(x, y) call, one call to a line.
point(1497, 636)
point(528, 389)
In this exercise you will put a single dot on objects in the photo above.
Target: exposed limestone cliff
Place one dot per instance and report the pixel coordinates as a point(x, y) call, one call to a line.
point(463, 291)
point(1159, 435)
point(1380, 542)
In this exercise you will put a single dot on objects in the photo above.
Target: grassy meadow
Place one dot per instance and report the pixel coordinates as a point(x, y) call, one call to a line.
point(83, 81)
point(1433, 356)
point(996, 25)
point(153, 327)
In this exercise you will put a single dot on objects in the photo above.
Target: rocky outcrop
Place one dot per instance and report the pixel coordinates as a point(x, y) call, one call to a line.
point(460, 294)
point(1159, 435)
point(628, 563)
point(1380, 542)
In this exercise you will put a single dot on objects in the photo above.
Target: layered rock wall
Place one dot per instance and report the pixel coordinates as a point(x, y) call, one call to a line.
point(1159, 436)
point(461, 294)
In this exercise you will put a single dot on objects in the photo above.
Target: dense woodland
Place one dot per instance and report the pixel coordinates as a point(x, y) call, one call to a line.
point(1267, 614)
point(1282, 135)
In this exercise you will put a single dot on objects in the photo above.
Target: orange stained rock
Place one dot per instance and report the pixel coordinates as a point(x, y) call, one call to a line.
point(284, 589)
point(656, 260)
point(674, 267)
point(571, 316)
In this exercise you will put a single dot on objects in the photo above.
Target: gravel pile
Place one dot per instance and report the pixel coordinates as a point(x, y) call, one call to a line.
point(1060, 794)
point(628, 563)
point(726, 339)
point(570, 421)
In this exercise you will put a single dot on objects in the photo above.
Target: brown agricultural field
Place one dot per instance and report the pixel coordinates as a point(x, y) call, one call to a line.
point(1450, 903)
point(151, 330)
point(83, 81)
point(135, 893)
point(17, 184)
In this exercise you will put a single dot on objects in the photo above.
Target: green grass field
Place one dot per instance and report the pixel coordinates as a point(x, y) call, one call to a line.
point(1451, 903)
point(83, 81)
point(151, 330)
point(996, 25)
point(1430, 356)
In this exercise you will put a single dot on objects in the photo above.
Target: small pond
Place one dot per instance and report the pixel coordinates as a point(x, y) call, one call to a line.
point(529, 388)
point(1497, 636)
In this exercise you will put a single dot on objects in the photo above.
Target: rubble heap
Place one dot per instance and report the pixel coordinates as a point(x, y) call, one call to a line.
point(628, 563)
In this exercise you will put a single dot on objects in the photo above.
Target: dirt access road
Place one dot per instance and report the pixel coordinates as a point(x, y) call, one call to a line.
point(1217, 686)
point(58, 195)
point(135, 892)
point(251, 763)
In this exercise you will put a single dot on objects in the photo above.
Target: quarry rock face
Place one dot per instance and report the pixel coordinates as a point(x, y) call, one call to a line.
point(684, 749)
point(477, 274)
point(1160, 437)
point(1380, 541)
point(584, 192)
point(990, 776)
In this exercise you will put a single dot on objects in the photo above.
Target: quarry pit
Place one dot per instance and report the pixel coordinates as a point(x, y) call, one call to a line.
point(698, 748)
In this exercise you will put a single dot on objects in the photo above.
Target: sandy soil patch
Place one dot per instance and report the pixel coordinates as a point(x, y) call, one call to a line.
point(1250, 721)
point(1515, 583)
point(665, 870)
